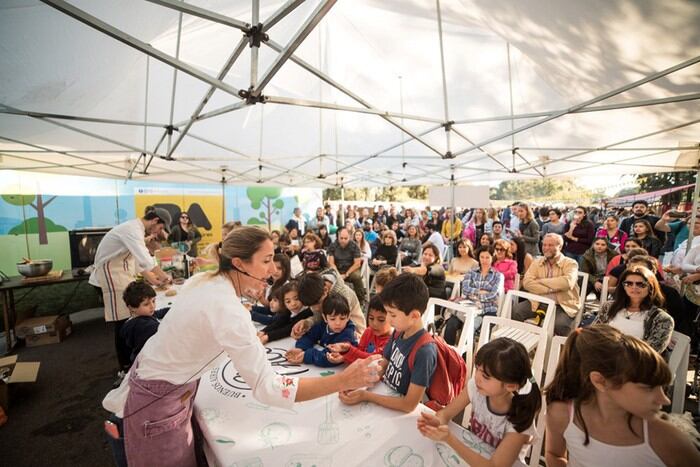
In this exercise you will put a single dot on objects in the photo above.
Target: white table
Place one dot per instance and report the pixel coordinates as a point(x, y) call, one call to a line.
point(241, 432)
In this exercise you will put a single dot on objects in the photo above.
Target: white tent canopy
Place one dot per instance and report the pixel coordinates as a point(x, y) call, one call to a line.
point(355, 92)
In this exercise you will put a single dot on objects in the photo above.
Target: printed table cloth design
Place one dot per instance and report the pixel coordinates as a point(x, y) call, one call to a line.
point(242, 432)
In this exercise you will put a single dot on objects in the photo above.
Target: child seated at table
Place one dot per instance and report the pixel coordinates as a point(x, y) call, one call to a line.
point(505, 400)
point(405, 299)
point(373, 340)
point(290, 312)
point(140, 298)
point(604, 404)
point(335, 327)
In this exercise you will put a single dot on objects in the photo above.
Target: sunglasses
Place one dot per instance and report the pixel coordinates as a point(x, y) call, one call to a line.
point(638, 285)
point(498, 248)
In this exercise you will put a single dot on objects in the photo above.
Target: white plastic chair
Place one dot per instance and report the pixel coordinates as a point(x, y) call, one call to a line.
point(678, 363)
point(606, 290)
point(581, 298)
point(552, 362)
point(465, 343)
point(529, 340)
point(364, 272)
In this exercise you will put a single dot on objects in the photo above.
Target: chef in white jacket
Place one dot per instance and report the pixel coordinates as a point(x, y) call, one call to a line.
point(120, 256)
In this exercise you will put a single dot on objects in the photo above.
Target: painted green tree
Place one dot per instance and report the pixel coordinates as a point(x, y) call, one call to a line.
point(268, 200)
point(35, 225)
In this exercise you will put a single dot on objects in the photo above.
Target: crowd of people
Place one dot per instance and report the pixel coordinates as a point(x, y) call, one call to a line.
point(608, 388)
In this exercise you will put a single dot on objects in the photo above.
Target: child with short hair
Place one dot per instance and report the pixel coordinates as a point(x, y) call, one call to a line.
point(290, 311)
point(604, 402)
point(405, 299)
point(382, 278)
point(373, 340)
point(505, 400)
point(140, 298)
point(336, 327)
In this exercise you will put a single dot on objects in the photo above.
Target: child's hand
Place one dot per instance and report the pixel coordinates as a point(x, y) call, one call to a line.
point(427, 418)
point(334, 357)
point(436, 433)
point(263, 337)
point(339, 347)
point(295, 356)
point(353, 397)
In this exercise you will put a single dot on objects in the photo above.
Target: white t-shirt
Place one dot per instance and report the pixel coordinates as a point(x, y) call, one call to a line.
point(631, 324)
point(207, 319)
point(436, 239)
point(489, 426)
point(129, 236)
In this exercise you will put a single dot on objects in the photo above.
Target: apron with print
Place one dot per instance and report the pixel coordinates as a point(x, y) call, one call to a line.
point(114, 276)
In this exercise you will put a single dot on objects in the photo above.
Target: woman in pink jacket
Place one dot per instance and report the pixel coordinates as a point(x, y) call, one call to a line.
point(505, 264)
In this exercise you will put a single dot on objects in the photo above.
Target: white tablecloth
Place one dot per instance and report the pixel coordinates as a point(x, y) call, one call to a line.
point(241, 432)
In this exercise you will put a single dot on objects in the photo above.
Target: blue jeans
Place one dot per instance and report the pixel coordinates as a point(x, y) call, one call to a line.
point(574, 257)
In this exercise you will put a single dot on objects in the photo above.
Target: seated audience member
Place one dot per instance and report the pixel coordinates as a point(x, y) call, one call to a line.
point(365, 249)
point(612, 233)
point(645, 234)
point(313, 290)
point(434, 238)
point(464, 261)
point(555, 225)
point(633, 255)
point(522, 258)
point(482, 285)
point(601, 367)
point(291, 243)
point(431, 271)
point(497, 231)
point(345, 256)
point(486, 241)
point(373, 340)
point(578, 235)
point(313, 257)
point(386, 253)
point(505, 264)
point(275, 305)
point(291, 311)
point(382, 278)
point(262, 313)
point(405, 299)
point(323, 235)
point(618, 260)
point(595, 262)
point(410, 248)
point(553, 276)
point(140, 298)
point(276, 237)
point(336, 327)
point(636, 309)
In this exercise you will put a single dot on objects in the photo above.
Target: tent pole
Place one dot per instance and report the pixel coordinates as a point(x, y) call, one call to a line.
point(203, 13)
point(444, 83)
point(254, 46)
point(283, 11)
point(172, 94)
point(602, 97)
point(450, 248)
point(109, 121)
point(694, 211)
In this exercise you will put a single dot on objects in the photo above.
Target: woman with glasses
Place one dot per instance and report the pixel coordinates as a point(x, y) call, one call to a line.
point(636, 309)
point(505, 264)
point(386, 252)
point(186, 232)
point(579, 234)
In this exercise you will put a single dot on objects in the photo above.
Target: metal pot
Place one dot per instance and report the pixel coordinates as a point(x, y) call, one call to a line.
point(36, 267)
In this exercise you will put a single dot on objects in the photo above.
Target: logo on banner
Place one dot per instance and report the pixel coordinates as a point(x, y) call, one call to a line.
point(226, 380)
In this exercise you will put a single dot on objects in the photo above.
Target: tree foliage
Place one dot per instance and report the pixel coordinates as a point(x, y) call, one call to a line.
point(390, 193)
point(546, 189)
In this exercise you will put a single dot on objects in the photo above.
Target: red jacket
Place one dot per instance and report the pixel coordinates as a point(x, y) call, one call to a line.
point(370, 344)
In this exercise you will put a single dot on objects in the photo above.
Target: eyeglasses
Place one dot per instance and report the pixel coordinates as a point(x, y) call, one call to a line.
point(184, 217)
point(638, 285)
point(498, 248)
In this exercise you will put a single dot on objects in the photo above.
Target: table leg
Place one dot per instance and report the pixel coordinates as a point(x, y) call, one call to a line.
point(6, 320)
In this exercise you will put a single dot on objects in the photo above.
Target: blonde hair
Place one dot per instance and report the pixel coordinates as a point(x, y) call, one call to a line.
point(505, 244)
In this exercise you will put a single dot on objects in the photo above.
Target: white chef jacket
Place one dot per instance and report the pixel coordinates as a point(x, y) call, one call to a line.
point(126, 237)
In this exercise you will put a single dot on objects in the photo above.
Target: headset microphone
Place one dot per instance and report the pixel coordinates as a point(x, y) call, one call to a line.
point(249, 275)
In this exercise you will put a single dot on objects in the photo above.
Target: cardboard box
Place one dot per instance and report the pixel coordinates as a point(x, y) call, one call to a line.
point(44, 330)
point(13, 373)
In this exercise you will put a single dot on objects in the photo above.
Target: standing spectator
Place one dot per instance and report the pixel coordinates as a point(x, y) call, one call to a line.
point(340, 217)
point(644, 233)
point(678, 228)
point(595, 262)
point(505, 264)
point(612, 233)
point(640, 210)
point(345, 257)
point(555, 225)
point(410, 248)
point(579, 235)
point(553, 276)
point(297, 221)
point(514, 221)
point(186, 232)
point(435, 238)
point(431, 271)
point(392, 217)
point(528, 230)
point(476, 226)
point(451, 231)
point(329, 214)
point(380, 215)
point(491, 217)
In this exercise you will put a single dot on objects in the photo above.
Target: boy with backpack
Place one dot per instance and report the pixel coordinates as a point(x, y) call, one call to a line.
point(417, 365)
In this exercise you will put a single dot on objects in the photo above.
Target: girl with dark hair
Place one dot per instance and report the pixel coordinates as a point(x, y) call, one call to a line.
point(324, 236)
point(505, 400)
point(522, 257)
point(644, 233)
point(431, 271)
point(636, 309)
point(186, 232)
point(604, 402)
point(578, 235)
point(264, 313)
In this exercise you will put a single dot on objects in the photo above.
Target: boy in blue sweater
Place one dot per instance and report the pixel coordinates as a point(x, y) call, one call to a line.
point(405, 299)
point(336, 327)
point(145, 319)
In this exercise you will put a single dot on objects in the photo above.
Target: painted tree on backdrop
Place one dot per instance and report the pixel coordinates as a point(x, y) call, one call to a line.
point(265, 198)
point(35, 225)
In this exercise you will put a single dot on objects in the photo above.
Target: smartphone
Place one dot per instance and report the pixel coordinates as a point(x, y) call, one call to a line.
point(678, 214)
